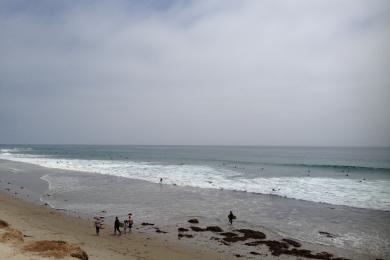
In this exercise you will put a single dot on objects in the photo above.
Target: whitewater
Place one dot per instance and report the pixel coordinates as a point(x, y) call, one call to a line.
point(343, 189)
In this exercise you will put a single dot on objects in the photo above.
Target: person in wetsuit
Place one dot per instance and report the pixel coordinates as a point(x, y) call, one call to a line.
point(116, 225)
point(231, 217)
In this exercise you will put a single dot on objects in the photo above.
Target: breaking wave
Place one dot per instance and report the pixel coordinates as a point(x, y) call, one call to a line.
point(372, 194)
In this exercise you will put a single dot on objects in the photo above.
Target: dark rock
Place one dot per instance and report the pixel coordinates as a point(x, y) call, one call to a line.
point(214, 229)
point(198, 229)
point(300, 252)
point(193, 221)
point(184, 235)
point(326, 255)
point(276, 247)
point(254, 243)
point(3, 224)
point(209, 228)
point(292, 242)
point(180, 229)
point(327, 234)
point(249, 233)
point(215, 238)
point(80, 254)
point(160, 231)
point(229, 234)
point(308, 254)
point(238, 255)
point(254, 253)
point(234, 239)
point(147, 224)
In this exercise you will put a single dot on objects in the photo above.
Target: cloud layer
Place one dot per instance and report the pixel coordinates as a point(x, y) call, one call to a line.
point(201, 72)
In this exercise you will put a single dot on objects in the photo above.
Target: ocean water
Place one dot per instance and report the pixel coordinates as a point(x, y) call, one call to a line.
point(356, 177)
point(292, 191)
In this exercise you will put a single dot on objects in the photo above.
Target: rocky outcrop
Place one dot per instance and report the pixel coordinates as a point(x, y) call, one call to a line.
point(147, 224)
point(214, 229)
point(249, 233)
point(327, 234)
point(292, 242)
point(229, 234)
point(197, 229)
point(180, 235)
point(278, 248)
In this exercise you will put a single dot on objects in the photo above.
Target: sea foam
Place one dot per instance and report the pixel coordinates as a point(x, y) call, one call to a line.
point(371, 194)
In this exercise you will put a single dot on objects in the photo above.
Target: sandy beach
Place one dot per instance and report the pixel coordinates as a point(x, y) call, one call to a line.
point(41, 223)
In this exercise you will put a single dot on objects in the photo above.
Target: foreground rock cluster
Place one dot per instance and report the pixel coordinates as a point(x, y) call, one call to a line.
point(257, 238)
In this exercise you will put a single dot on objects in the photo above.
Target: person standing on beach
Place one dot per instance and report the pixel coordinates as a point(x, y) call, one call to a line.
point(231, 217)
point(116, 226)
point(130, 221)
point(125, 226)
point(98, 225)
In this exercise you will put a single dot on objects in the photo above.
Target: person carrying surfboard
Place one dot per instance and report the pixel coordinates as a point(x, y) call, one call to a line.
point(116, 226)
point(231, 217)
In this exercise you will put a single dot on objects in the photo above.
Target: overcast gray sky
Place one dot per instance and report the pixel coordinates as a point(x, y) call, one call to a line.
point(195, 72)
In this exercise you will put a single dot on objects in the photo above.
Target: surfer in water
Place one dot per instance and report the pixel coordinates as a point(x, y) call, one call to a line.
point(231, 217)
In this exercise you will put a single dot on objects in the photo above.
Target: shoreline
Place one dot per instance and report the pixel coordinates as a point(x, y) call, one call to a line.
point(143, 236)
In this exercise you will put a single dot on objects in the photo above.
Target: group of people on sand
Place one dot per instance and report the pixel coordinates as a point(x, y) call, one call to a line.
point(126, 224)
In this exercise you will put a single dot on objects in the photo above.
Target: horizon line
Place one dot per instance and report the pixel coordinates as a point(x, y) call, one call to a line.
point(207, 145)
